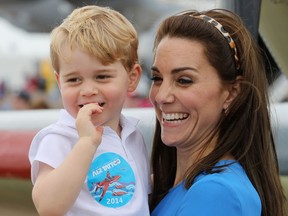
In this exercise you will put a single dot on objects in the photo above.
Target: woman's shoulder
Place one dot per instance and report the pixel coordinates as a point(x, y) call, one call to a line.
point(230, 186)
point(230, 176)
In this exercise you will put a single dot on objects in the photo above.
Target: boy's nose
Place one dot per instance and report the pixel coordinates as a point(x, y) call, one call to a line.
point(88, 90)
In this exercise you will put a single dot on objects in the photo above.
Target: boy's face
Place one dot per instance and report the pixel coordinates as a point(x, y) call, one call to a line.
point(83, 79)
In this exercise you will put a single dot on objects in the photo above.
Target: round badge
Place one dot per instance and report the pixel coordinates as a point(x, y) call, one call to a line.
point(111, 180)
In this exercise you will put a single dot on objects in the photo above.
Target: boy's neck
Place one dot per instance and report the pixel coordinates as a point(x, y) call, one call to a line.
point(119, 130)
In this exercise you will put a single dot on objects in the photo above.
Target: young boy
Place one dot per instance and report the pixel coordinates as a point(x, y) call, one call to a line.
point(93, 160)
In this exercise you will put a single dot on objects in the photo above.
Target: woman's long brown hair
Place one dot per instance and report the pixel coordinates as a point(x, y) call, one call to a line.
point(245, 131)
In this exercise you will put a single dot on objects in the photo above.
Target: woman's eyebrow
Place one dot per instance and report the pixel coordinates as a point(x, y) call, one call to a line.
point(175, 70)
point(154, 68)
point(180, 69)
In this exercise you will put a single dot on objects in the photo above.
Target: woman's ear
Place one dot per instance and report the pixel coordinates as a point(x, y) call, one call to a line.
point(234, 89)
point(134, 77)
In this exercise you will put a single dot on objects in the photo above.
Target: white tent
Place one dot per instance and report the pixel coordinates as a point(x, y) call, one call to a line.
point(18, 43)
point(20, 52)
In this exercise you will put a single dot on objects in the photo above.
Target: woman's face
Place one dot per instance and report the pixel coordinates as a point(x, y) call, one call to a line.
point(186, 92)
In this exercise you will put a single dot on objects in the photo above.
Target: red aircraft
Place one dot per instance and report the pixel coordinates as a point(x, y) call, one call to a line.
point(105, 183)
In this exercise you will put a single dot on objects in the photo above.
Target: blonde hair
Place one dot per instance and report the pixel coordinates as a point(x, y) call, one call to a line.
point(101, 32)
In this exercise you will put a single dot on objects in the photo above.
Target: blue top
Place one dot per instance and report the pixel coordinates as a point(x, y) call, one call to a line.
point(229, 192)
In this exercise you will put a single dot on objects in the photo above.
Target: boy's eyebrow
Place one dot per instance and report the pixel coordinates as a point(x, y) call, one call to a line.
point(175, 70)
point(71, 73)
point(101, 70)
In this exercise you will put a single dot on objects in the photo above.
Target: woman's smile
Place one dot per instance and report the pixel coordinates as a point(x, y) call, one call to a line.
point(174, 118)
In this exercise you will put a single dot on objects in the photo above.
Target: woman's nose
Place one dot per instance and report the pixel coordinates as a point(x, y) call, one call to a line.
point(165, 94)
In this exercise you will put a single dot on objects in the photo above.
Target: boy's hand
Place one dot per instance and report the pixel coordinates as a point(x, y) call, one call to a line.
point(84, 124)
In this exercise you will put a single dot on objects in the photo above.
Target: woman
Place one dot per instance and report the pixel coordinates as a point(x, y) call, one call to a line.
point(213, 151)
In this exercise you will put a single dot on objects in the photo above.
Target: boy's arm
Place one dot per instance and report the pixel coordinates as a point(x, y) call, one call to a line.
point(56, 190)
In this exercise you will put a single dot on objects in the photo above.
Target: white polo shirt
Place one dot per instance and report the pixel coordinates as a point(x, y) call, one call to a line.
point(118, 180)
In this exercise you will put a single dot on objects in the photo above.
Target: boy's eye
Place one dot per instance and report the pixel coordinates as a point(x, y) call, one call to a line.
point(74, 79)
point(103, 76)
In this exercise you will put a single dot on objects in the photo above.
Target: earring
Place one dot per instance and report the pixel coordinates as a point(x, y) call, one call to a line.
point(226, 110)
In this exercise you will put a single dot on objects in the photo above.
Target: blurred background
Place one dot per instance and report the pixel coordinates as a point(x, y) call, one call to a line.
point(26, 76)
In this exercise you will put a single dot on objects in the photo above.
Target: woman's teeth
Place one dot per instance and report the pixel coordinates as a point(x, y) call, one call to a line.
point(174, 116)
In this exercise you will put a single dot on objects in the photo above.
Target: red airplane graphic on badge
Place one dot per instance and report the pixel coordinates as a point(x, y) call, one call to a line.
point(106, 183)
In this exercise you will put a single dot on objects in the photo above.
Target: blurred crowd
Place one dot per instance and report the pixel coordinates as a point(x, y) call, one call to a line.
point(40, 93)
point(34, 95)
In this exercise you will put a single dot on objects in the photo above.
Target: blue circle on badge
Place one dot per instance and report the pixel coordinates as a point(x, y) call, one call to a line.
point(111, 180)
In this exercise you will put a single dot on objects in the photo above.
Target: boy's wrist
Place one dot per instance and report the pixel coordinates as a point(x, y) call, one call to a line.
point(89, 141)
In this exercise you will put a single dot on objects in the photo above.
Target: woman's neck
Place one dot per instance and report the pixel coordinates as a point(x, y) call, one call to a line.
point(186, 160)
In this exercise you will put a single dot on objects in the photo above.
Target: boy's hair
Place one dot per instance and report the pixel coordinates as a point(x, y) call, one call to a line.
point(101, 32)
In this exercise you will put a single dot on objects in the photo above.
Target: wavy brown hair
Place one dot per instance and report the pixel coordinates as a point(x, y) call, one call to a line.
point(245, 131)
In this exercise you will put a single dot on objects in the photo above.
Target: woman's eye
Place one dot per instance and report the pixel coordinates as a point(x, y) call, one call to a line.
point(156, 78)
point(185, 80)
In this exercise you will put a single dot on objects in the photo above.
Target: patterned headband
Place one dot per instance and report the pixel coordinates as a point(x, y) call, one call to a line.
point(226, 35)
